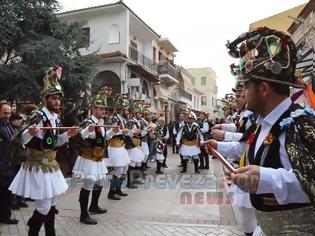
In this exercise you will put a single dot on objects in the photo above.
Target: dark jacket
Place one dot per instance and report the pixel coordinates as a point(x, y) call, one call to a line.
point(7, 173)
point(70, 116)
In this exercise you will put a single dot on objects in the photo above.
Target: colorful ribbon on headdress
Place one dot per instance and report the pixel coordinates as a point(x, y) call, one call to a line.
point(308, 95)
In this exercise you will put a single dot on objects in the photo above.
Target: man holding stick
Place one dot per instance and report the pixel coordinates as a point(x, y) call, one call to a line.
point(90, 164)
point(40, 177)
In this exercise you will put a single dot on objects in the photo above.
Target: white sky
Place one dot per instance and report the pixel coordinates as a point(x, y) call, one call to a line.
point(199, 29)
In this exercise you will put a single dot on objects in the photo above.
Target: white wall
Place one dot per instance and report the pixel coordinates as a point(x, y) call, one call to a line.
point(100, 25)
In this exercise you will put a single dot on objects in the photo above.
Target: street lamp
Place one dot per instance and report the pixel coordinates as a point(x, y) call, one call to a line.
point(165, 111)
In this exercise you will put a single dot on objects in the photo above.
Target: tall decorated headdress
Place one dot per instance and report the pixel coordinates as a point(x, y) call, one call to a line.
point(235, 70)
point(121, 102)
point(190, 114)
point(266, 54)
point(136, 106)
point(229, 101)
point(145, 108)
point(239, 86)
point(100, 99)
point(51, 82)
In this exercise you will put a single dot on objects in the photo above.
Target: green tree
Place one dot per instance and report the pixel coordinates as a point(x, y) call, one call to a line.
point(32, 39)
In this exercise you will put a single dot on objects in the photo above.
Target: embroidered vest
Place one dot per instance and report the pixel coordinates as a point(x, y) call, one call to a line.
point(268, 156)
point(50, 138)
point(99, 140)
point(144, 126)
point(127, 139)
point(190, 135)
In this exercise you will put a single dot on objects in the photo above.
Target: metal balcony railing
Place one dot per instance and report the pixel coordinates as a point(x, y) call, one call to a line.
point(185, 94)
point(167, 68)
point(143, 60)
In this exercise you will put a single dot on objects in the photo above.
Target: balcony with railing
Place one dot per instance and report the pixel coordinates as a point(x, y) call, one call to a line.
point(140, 58)
point(184, 94)
point(168, 73)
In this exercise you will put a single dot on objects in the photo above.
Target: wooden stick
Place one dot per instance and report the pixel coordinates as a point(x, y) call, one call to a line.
point(223, 160)
point(108, 126)
point(50, 128)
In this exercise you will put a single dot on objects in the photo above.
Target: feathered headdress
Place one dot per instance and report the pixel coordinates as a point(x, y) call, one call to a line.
point(51, 82)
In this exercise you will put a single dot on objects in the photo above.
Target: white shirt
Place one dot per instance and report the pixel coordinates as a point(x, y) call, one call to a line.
point(230, 127)
point(231, 150)
point(143, 131)
point(233, 135)
point(167, 135)
point(282, 182)
point(205, 127)
point(122, 122)
point(86, 134)
point(181, 124)
point(53, 118)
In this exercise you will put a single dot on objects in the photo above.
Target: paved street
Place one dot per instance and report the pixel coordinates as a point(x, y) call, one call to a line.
point(168, 204)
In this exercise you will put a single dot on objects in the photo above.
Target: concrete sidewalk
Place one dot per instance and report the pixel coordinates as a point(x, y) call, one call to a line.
point(168, 204)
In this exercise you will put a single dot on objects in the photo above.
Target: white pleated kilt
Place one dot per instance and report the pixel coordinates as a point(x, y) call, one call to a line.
point(160, 157)
point(117, 157)
point(189, 150)
point(38, 185)
point(136, 154)
point(145, 148)
point(240, 198)
point(88, 169)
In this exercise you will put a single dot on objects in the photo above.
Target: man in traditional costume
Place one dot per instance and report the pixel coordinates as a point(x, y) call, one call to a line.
point(133, 143)
point(188, 139)
point(138, 131)
point(240, 199)
point(145, 136)
point(90, 164)
point(160, 144)
point(280, 151)
point(118, 157)
point(245, 118)
point(40, 177)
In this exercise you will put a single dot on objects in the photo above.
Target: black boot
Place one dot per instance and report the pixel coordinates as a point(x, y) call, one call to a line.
point(112, 195)
point(49, 223)
point(206, 158)
point(248, 234)
point(164, 163)
point(158, 167)
point(112, 189)
point(207, 162)
point(130, 184)
point(184, 166)
point(94, 207)
point(145, 166)
point(140, 174)
point(118, 188)
point(196, 166)
point(202, 164)
point(84, 200)
point(181, 161)
point(35, 223)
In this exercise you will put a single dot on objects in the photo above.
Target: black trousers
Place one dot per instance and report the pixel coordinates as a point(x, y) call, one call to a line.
point(174, 147)
point(204, 157)
point(5, 202)
point(165, 155)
